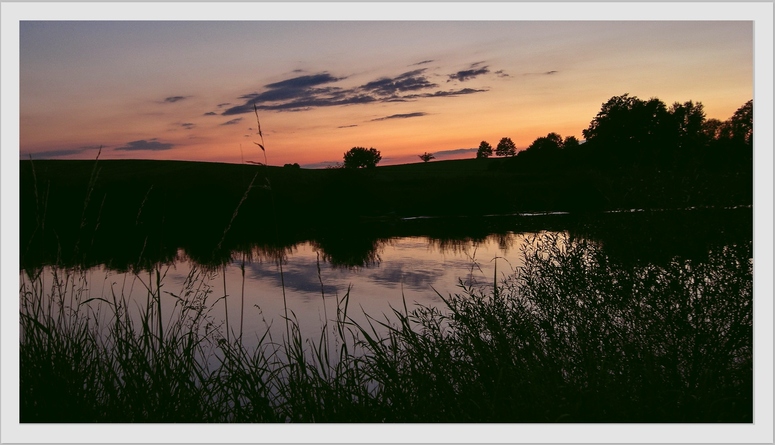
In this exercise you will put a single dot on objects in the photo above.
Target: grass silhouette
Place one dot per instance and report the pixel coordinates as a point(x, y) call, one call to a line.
point(571, 336)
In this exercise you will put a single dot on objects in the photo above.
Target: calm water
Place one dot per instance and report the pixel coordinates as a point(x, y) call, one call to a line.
point(381, 271)
point(410, 269)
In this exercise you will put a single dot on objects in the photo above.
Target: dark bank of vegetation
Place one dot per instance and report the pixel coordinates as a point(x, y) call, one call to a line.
point(580, 333)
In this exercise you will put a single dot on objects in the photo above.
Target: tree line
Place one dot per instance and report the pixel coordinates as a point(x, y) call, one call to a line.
point(631, 132)
point(627, 132)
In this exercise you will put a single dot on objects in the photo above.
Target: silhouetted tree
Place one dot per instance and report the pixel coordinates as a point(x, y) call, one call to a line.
point(545, 149)
point(629, 130)
point(738, 128)
point(689, 119)
point(426, 157)
point(506, 147)
point(360, 157)
point(570, 142)
point(730, 143)
point(485, 150)
point(294, 165)
point(713, 129)
point(687, 137)
point(742, 123)
point(551, 143)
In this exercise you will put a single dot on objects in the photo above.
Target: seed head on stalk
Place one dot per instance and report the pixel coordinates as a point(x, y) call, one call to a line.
point(274, 212)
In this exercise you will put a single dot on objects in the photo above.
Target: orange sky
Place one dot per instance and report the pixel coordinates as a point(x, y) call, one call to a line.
point(185, 90)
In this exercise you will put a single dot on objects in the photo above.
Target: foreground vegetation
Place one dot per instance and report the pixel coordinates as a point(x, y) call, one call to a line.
point(572, 336)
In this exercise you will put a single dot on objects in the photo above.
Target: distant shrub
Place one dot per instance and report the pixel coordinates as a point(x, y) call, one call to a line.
point(360, 157)
point(426, 157)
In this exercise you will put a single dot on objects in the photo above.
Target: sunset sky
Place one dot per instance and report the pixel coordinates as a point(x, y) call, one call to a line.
point(185, 90)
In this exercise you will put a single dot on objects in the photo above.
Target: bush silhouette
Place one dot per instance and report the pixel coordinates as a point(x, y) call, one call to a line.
point(360, 157)
point(426, 157)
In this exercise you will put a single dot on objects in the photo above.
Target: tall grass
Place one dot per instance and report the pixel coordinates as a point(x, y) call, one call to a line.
point(568, 336)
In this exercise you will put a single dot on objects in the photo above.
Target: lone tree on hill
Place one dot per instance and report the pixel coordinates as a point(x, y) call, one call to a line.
point(485, 150)
point(426, 157)
point(360, 157)
point(506, 147)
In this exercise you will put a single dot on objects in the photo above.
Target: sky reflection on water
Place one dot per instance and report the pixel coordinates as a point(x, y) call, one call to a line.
point(410, 269)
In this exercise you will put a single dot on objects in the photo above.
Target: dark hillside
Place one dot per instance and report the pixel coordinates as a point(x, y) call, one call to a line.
point(150, 208)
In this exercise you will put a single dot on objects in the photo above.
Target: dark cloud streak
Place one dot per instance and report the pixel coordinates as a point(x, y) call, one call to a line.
point(448, 93)
point(144, 145)
point(545, 73)
point(464, 75)
point(56, 153)
point(409, 81)
point(314, 91)
point(233, 121)
point(400, 116)
point(173, 99)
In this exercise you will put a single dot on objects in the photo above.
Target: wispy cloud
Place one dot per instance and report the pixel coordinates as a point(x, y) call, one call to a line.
point(188, 125)
point(501, 73)
point(422, 63)
point(297, 93)
point(400, 116)
point(211, 113)
point(464, 75)
point(173, 99)
point(319, 90)
point(56, 153)
point(448, 93)
point(455, 152)
point(223, 104)
point(233, 121)
point(545, 73)
point(347, 126)
point(409, 81)
point(146, 145)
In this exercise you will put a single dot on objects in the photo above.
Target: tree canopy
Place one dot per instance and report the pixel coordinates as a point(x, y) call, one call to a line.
point(361, 157)
point(632, 131)
point(506, 147)
point(629, 132)
point(485, 150)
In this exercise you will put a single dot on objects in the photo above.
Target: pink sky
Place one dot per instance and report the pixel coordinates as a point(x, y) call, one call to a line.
point(185, 90)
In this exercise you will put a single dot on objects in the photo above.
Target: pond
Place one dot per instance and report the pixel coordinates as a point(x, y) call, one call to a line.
point(415, 261)
point(251, 288)
point(617, 317)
